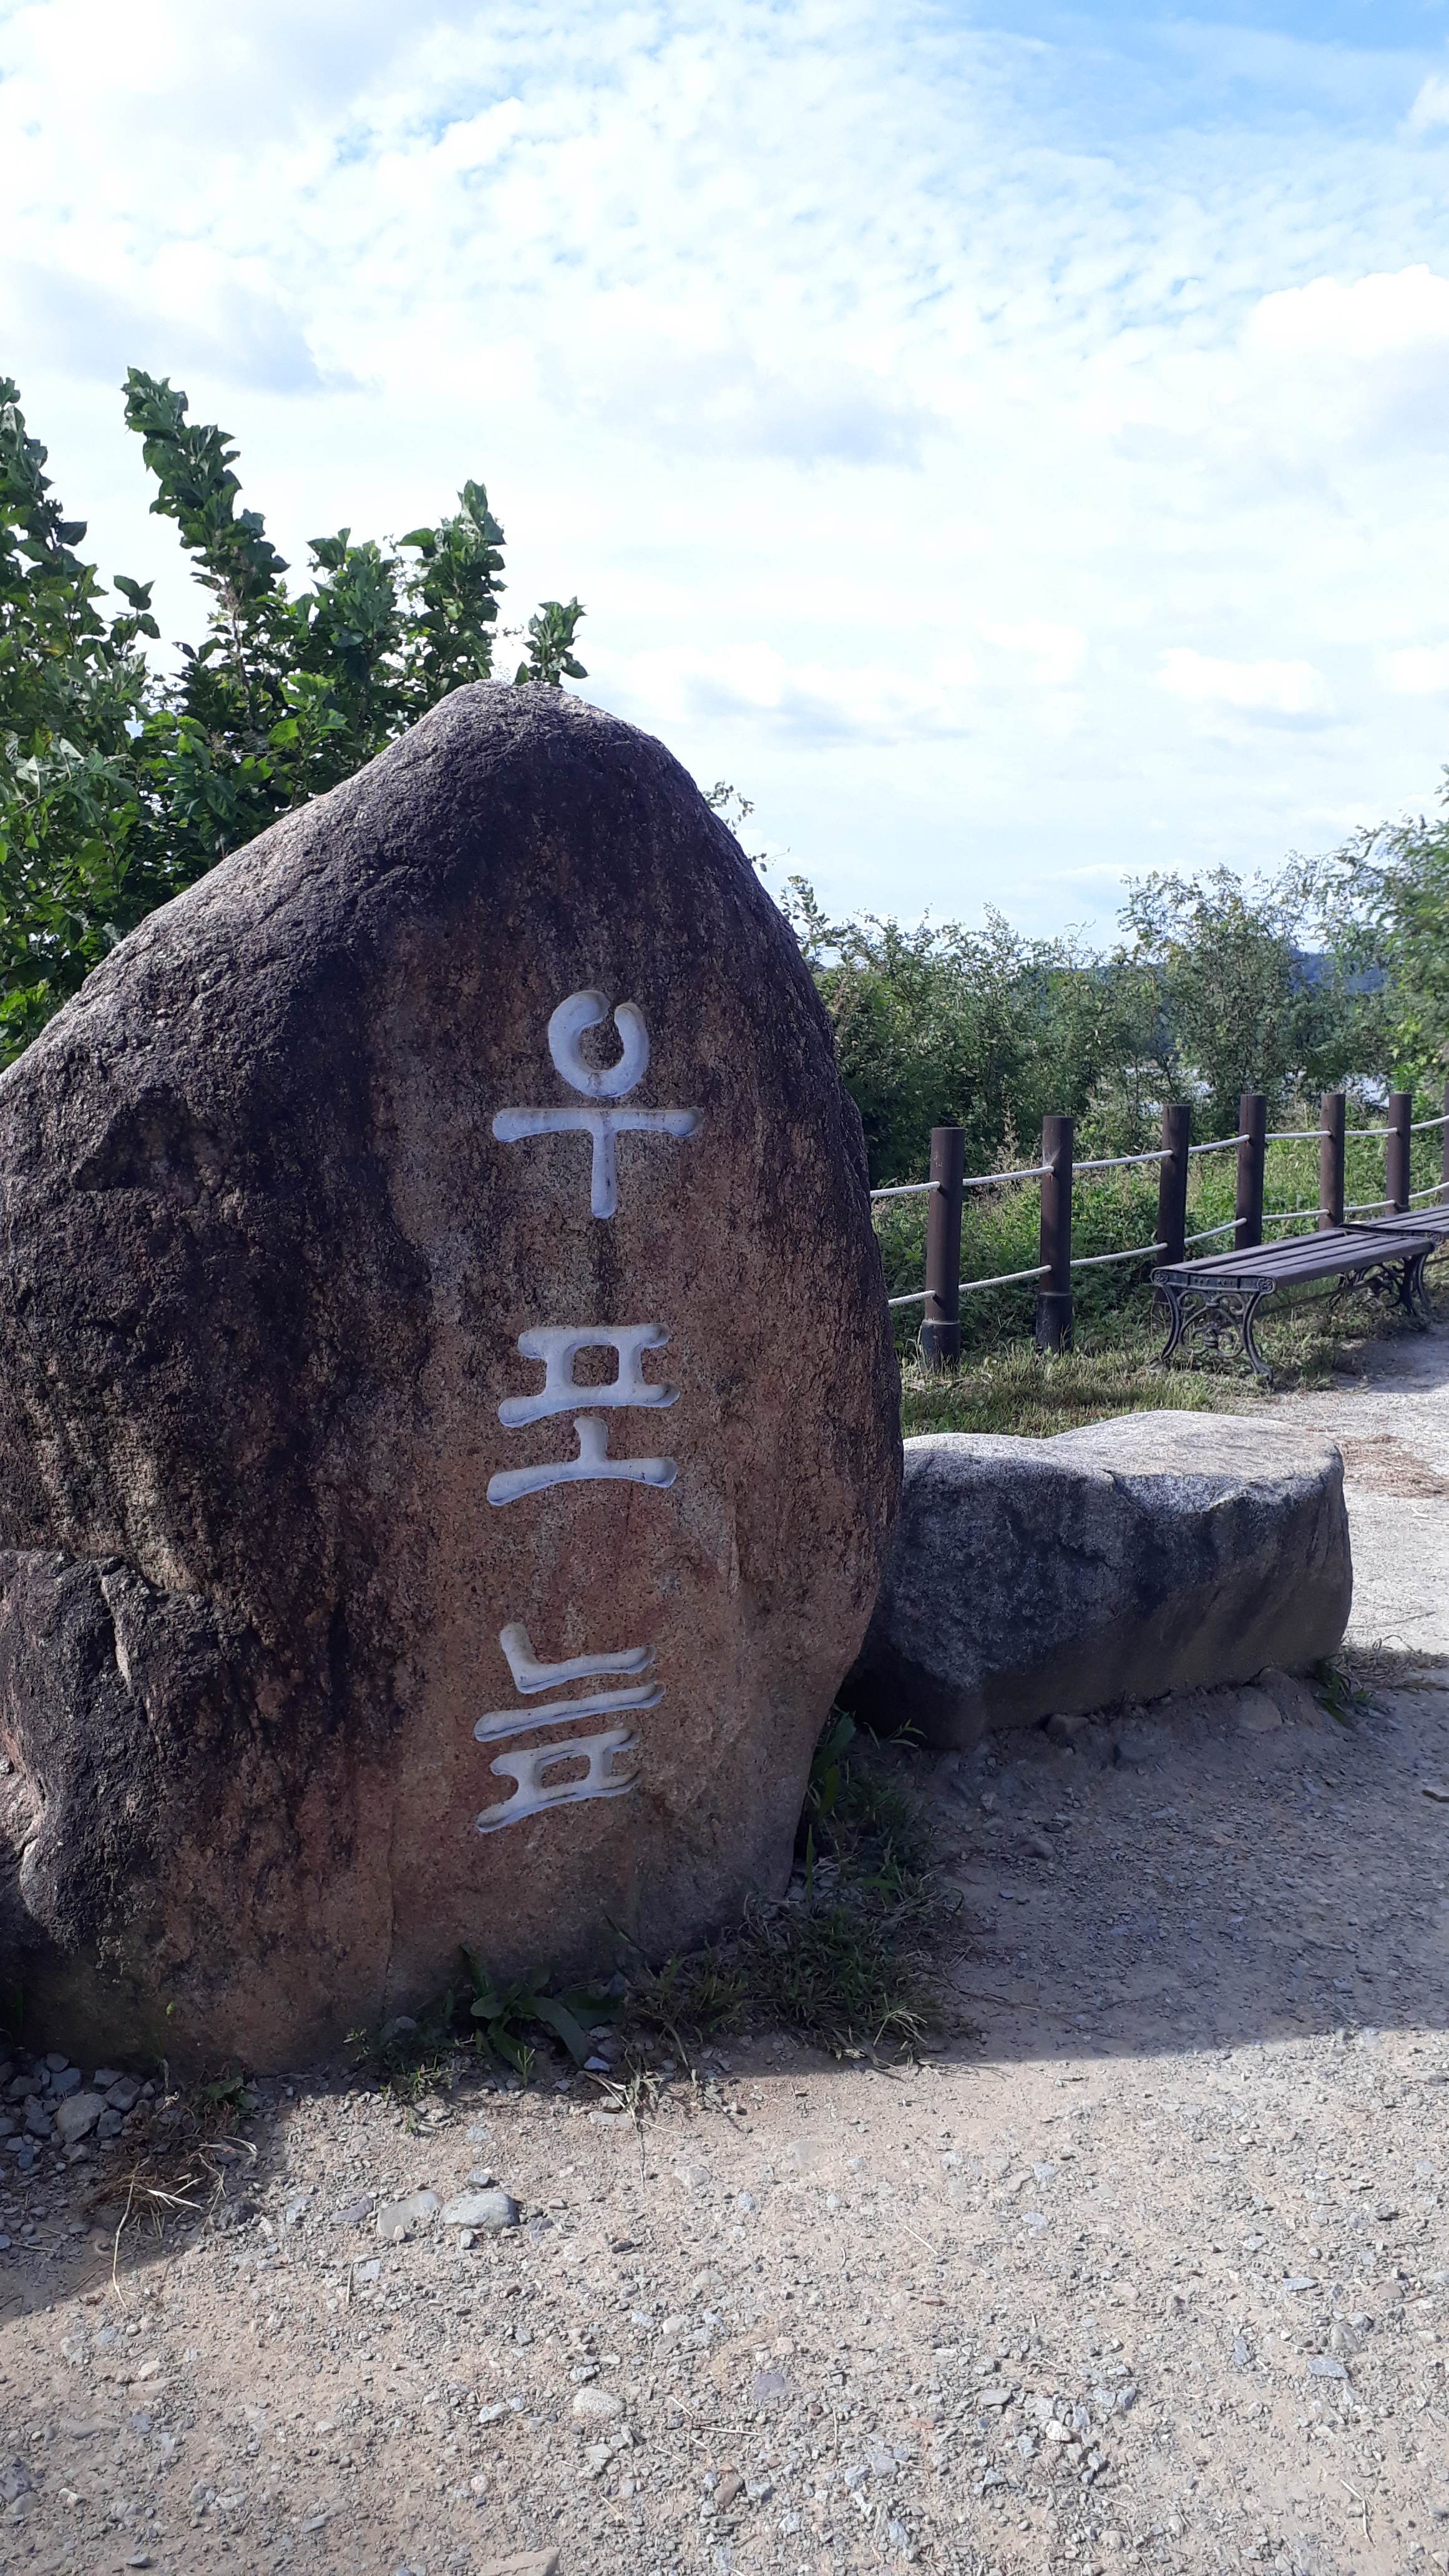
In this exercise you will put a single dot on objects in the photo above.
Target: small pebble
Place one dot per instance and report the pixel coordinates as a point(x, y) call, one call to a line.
point(488, 2211)
point(596, 2405)
point(397, 2219)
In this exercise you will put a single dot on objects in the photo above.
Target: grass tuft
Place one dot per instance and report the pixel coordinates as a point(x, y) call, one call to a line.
point(1116, 1368)
point(837, 1961)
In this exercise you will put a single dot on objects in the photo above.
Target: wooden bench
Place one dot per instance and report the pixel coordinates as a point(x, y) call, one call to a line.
point(1222, 1293)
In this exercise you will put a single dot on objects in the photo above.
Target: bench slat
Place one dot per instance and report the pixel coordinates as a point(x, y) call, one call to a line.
point(1335, 1252)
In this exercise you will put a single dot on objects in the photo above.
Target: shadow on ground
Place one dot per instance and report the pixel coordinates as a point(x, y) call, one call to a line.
point(1198, 1884)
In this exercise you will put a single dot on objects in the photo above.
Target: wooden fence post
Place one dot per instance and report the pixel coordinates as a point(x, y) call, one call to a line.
point(1332, 1118)
point(941, 1331)
point(1054, 1292)
point(1172, 1182)
point(1253, 1129)
point(1396, 1151)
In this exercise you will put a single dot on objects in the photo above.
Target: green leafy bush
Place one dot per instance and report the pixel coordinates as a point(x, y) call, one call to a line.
point(120, 784)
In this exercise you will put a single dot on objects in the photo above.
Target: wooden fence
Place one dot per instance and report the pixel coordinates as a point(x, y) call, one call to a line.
point(1057, 1171)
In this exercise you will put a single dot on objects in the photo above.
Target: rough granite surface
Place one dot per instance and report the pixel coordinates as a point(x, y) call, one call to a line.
point(266, 1266)
point(1155, 1552)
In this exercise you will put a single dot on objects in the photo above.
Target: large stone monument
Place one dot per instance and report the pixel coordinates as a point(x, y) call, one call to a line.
point(447, 1409)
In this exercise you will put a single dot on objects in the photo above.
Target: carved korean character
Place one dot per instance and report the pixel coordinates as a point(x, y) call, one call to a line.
point(602, 1125)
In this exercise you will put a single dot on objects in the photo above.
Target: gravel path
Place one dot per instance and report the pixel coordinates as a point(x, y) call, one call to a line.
point(1148, 2266)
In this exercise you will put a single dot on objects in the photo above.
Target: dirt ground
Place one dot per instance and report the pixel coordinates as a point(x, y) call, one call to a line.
point(1147, 2266)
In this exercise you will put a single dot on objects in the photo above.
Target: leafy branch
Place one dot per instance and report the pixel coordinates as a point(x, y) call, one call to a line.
point(120, 785)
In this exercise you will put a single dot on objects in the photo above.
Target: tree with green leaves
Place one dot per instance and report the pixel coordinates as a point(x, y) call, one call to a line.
point(982, 1029)
point(1239, 1008)
point(1387, 895)
point(119, 784)
point(1208, 994)
point(74, 693)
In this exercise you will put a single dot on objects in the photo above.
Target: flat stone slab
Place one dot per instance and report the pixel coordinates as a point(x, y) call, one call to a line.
point(1156, 1552)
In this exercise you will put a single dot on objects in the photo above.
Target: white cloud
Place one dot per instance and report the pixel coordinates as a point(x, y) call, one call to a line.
point(1420, 672)
point(806, 346)
point(1369, 319)
point(1055, 653)
point(810, 702)
point(1339, 365)
point(1431, 107)
point(1256, 688)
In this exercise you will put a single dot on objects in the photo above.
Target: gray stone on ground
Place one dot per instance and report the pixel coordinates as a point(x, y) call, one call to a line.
point(1153, 1553)
point(1136, 1746)
point(1255, 1713)
point(76, 2117)
point(1069, 1730)
point(488, 2213)
point(397, 2219)
point(1294, 1699)
point(597, 2405)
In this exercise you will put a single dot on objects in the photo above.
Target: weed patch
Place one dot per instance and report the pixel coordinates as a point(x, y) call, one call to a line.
point(838, 1960)
point(499, 2023)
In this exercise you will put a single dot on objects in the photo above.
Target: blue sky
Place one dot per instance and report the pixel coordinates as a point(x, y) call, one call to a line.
point(1409, 24)
point(1007, 442)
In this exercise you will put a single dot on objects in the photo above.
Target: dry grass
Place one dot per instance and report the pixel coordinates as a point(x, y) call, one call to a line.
point(181, 2174)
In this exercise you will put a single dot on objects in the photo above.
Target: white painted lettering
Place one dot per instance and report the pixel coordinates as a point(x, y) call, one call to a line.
point(592, 1465)
point(585, 1011)
point(529, 1674)
point(529, 1764)
point(522, 1721)
point(558, 1346)
point(603, 1126)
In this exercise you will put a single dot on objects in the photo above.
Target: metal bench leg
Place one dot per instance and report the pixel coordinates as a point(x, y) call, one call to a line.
point(1415, 1294)
point(1252, 1300)
point(1209, 1315)
point(1176, 1320)
point(1399, 1283)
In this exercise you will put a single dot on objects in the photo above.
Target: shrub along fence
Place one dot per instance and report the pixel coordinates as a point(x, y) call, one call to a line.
point(1058, 1177)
